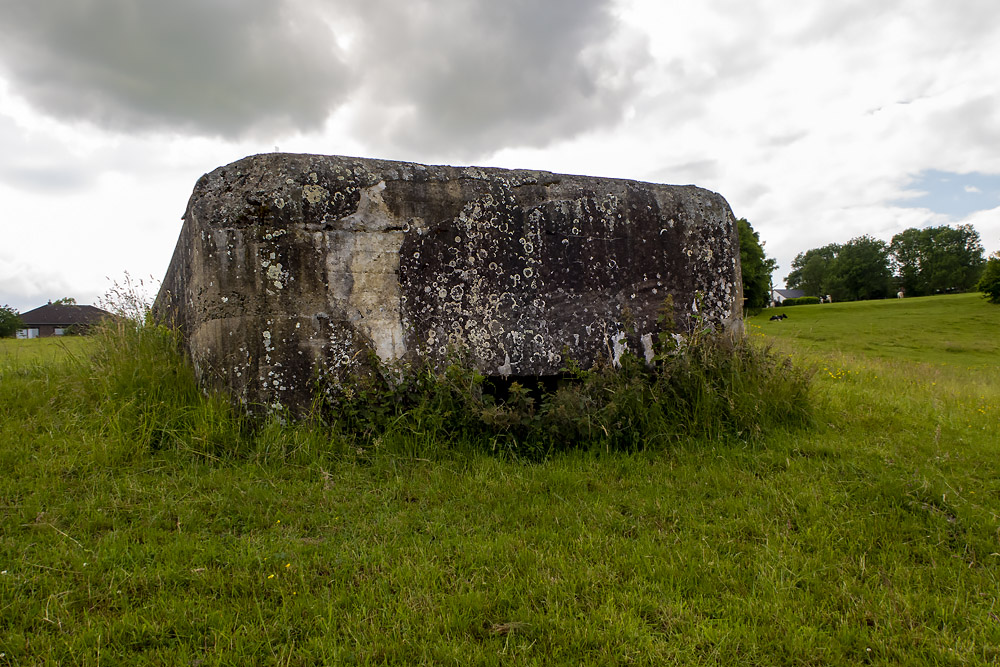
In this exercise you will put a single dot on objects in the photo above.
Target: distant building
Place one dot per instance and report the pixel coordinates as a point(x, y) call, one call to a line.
point(779, 295)
point(60, 319)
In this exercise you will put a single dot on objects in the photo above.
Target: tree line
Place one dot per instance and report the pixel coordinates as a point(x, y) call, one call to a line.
point(917, 262)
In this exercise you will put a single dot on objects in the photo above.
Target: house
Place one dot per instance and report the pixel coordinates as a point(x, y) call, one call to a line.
point(60, 319)
point(779, 295)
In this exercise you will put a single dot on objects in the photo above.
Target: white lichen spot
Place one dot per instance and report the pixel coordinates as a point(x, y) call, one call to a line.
point(274, 274)
point(315, 194)
point(505, 369)
point(618, 347)
point(647, 347)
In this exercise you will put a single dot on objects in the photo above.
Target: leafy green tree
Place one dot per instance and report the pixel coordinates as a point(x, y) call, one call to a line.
point(810, 269)
point(905, 258)
point(756, 267)
point(989, 282)
point(937, 259)
point(65, 301)
point(860, 271)
point(10, 321)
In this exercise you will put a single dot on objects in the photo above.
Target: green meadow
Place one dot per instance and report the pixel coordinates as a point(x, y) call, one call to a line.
point(143, 523)
point(45, 351)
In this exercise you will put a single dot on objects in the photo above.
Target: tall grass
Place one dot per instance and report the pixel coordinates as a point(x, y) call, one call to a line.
point(146, 399)
point(700, 386)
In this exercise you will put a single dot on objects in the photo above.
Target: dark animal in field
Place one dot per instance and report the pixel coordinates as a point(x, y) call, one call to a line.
point(778, 318)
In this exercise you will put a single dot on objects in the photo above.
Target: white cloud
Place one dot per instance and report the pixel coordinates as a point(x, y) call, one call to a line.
point(987, 223)
point(812, 119)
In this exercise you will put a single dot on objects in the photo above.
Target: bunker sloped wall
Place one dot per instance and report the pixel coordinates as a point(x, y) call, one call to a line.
point(290, 268)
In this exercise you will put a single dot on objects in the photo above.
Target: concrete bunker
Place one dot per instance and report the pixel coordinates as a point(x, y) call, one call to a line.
point(289, 269)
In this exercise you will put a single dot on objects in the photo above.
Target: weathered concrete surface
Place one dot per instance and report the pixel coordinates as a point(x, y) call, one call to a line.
point(289, 267)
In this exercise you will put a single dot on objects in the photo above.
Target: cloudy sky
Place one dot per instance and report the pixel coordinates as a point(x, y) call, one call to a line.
point(819, 121)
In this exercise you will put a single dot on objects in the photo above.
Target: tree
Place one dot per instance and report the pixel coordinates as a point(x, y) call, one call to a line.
point(858, 269)
point(10, 321)
point(756, 267)
point(989, 282)
point(937, 259)
point(810, 269)
point(905, 256)
point(65, 301)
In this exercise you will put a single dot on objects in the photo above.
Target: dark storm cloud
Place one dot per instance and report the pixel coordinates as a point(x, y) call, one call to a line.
point(449, 76)
point(217, 67)
point(464, 77)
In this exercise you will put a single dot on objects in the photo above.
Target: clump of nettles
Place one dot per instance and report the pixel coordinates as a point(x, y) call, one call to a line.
point(699, 385)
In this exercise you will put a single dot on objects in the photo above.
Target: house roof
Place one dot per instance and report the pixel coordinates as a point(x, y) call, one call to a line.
point(789, 293)
point(62, 314)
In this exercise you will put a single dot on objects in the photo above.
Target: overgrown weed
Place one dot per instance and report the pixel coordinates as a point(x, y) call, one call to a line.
point(145, 399)
point(703, 386)
point(142, 390)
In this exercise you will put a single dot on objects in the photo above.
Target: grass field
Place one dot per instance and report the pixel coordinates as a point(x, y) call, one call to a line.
point(957, 331)
point(47, 351)
point(871, 537)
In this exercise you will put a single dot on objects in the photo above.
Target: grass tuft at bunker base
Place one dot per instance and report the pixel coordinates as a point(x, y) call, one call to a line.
point(702, 386)
point(142, 522)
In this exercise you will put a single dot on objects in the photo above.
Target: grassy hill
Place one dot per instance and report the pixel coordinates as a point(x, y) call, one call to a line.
point(871, 537)
point(958, 331)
